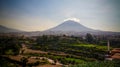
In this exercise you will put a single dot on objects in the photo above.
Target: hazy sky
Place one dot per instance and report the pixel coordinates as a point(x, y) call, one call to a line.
point(38, 15)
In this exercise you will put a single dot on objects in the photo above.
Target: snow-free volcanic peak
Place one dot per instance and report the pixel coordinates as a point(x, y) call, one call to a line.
point(70, 25)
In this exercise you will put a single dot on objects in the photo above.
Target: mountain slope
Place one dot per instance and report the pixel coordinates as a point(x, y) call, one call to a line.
point(4, 29)
point(71, 26)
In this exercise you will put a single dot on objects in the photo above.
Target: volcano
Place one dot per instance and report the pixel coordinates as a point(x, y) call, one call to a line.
point(71, 26)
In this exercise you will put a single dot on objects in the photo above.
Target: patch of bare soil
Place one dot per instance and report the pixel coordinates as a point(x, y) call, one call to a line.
point(116, 56)
point(48, 65)
point(116, 53)
point(27, 50)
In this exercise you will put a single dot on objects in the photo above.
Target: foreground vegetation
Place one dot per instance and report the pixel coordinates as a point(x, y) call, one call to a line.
point(82, 51)
point(75, 46)
point(114, 63)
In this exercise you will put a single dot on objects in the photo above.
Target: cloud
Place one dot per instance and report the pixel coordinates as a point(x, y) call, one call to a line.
point(73, 19)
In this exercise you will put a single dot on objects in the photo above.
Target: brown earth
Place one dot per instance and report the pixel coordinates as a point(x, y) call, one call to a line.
point(116, 53)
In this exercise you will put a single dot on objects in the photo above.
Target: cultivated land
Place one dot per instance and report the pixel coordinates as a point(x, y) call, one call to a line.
point(57, 51)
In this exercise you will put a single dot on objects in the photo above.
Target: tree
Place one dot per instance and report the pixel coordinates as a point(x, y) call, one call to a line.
point(24, 61)
point(22, 51)
point(9, 45)
point(89, 38)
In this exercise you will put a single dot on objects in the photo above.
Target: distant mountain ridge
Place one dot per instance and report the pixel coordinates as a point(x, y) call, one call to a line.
point(68, 27)
point(4, 29)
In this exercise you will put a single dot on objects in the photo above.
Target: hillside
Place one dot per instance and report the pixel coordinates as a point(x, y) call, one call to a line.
point(4, 29)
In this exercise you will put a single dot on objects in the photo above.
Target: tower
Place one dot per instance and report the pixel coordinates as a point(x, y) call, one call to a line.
point(108, 55)
point(108, 47)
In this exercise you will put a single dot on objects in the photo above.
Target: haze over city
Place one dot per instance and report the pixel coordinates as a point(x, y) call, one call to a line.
point(39, 15)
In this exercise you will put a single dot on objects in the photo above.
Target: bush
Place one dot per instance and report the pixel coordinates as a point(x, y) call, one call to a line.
point(99, 64)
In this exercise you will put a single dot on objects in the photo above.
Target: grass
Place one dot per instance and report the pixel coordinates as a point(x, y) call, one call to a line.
point(92, 45)
point(76, 60)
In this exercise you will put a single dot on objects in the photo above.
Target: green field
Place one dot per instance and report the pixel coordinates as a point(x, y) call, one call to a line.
point(92, 46)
